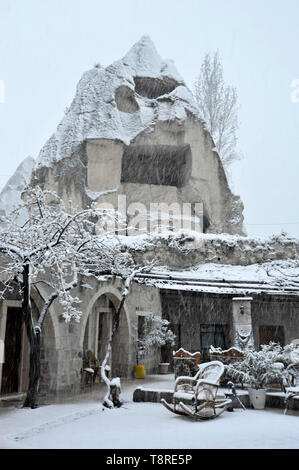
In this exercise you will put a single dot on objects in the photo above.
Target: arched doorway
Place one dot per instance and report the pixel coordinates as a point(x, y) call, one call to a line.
point(98, 331)
point(13, 335)
point(14, 365)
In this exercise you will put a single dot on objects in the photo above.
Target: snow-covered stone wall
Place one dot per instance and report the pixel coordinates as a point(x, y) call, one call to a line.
point(186, 250)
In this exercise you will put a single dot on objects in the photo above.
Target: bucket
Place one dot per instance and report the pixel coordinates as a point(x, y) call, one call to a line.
point(140, 372)
point(163, 367)
point(257, 398)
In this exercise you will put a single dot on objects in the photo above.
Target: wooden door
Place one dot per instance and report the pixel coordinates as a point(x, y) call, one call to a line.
point(12, 351)
point(105, 329)
point(211, 335)
point(269, 333)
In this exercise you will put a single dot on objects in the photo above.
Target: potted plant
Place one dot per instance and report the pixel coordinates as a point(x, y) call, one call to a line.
point(155, 333)
point(259, 368)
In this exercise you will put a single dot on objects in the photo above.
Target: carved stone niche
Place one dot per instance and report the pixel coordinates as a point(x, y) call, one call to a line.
point(242, 323)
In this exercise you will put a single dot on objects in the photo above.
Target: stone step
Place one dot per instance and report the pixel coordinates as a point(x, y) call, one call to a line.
point(11, 398)
point(273, 399)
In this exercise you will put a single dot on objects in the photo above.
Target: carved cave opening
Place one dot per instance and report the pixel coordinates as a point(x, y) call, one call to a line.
point(154, 87)
point(164, 165)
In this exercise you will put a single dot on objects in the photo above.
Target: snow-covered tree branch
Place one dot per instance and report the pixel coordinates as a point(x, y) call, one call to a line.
point(258, 368)
point(156, 333)
point(55, 248)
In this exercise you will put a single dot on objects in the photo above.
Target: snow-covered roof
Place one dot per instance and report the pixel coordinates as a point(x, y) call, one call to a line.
point(94, 113)
point(278, 277)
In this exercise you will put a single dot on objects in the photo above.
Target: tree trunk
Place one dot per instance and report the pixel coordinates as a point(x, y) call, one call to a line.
point(112, 399)
point(34, 342)
point(34, 372)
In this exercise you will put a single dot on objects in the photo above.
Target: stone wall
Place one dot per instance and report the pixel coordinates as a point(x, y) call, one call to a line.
point(184, 251)
point(188, 311)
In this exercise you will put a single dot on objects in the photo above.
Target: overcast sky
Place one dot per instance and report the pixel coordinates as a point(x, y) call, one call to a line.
point(45, 46)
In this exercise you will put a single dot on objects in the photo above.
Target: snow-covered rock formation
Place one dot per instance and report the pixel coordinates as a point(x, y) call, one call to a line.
point(133, 129)
point(114, 102)
point(10, 196)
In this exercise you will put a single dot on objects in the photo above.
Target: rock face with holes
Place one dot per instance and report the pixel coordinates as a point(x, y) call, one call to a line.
point(133, 130)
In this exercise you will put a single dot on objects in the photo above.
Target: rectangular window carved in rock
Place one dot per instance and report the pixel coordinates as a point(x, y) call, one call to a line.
point(165, 165)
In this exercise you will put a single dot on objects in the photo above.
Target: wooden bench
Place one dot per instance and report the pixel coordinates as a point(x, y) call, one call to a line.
point(226, 353)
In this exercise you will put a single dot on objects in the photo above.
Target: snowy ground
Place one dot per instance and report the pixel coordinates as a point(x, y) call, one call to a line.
point(85, 424)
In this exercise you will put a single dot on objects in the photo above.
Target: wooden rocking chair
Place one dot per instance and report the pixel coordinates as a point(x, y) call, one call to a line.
point(197, 396)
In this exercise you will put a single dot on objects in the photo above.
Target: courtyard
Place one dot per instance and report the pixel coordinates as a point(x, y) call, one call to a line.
point(83, 423)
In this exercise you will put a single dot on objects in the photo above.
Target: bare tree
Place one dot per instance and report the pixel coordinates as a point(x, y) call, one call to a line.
point(217, 103)
point(111, 398)
point(54, 248)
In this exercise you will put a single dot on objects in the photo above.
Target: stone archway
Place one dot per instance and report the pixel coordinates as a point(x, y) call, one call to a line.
point(97, 330)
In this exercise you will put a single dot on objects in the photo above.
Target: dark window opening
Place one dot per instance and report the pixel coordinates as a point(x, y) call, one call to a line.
point(212, 335)
point(206, 223)
point(165, 165)
point(154, 87)
point(141, 325)
point(268, 333)
point(176, 328)
point(100, 333)
point(125, 100)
